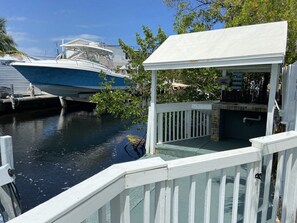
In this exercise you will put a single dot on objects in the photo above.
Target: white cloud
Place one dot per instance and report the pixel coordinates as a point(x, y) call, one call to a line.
point(80, 36)
point(17, 18)
point(19, 36)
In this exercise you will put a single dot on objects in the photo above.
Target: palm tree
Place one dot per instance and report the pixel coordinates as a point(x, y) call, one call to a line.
point(7, 44)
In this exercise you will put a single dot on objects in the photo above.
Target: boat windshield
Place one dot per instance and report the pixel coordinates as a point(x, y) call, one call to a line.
point(97, 55)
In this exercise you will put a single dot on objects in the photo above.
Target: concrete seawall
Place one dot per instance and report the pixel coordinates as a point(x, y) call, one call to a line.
point(28, 103)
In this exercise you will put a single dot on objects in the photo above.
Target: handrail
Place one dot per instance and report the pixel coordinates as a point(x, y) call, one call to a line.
point(98, 190)
point(201, 105)
point(113, 184)
point(179, 121)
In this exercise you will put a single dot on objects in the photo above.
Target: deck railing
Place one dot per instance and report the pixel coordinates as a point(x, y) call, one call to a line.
point(228, 186)
point(6, 164)
point(179, 121)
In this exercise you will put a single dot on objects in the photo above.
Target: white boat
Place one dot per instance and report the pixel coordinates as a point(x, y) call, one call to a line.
point(75, 73)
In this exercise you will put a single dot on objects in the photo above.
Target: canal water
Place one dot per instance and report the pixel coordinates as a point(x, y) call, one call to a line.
point(56, 149)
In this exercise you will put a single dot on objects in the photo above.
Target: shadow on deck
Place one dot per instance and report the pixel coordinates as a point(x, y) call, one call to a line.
point(199, 146)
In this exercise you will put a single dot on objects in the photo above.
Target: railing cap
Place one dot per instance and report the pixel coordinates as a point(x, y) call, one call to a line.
point(141, 165)
point(210, 162)
point(182, 106)
point(275, 143)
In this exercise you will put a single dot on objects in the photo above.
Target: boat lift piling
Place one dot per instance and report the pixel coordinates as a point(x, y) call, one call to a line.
point(12, 99)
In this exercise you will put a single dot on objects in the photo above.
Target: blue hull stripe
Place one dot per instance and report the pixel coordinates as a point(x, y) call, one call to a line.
point(66, 77)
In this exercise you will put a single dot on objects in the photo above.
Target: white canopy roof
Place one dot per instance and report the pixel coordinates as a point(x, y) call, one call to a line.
point(262, 44)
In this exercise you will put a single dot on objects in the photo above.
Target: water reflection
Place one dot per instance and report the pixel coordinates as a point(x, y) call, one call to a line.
point(56, 149)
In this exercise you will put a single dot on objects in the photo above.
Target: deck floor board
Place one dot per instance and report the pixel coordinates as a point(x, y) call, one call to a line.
point(199, 146)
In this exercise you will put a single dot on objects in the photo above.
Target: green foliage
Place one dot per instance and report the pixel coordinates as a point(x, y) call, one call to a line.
point(131, 104)
point(123, 104)
point(7, 45)
point(253, 12)
point(195, 15)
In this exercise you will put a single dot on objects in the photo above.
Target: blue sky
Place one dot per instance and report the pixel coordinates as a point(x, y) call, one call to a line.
point(36, 25)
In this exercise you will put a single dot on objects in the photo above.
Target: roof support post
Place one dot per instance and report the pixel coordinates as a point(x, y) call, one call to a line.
point(224, 74)
point(275, 69)
point(153, 115)
point(223, 87)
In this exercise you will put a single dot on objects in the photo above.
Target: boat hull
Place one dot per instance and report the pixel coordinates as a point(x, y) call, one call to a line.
point(67, 82)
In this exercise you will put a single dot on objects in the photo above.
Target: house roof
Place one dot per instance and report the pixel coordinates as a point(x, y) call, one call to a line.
point(245, 46)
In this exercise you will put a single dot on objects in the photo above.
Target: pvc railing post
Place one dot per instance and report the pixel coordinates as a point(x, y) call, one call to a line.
point(6, 150)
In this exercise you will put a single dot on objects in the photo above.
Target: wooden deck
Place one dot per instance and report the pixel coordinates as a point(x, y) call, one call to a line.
point(199, 146)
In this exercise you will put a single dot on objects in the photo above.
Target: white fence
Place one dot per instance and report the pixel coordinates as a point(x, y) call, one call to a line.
point(194, 189)
point(179, 121)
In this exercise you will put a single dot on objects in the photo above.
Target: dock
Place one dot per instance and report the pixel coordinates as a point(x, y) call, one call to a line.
point(19, 104)
point(30, 103)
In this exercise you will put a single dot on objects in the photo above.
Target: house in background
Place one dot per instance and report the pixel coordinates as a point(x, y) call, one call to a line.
point(9, 76)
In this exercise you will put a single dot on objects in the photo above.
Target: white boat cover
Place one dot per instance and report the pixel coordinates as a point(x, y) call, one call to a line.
point(238, 46)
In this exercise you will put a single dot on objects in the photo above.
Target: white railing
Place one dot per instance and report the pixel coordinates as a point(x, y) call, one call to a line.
point(181, 121)
point(219, 187)
point(178, 121)
point(6, 160)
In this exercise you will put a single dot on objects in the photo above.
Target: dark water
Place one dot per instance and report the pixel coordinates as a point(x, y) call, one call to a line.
point(54, 150)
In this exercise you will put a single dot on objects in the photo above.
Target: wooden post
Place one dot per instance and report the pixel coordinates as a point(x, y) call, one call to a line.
point(291, 195)
point(148, 132)
point(6, 151)
point(293, 75)
point(146, 204)
point(115, 209)
point(272, 93)
point(224, 74)
point(160, 201)
point(223, 86)
point(160, 128)
point(153, 112)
